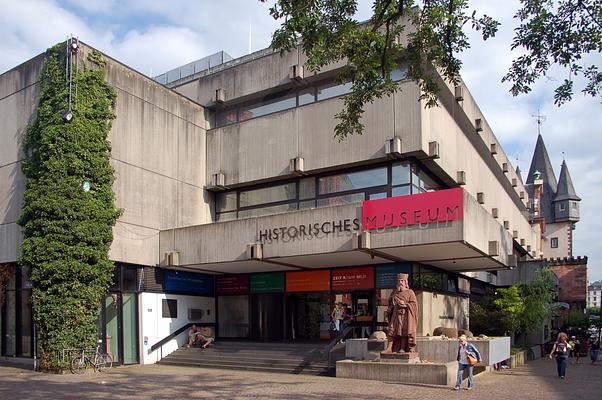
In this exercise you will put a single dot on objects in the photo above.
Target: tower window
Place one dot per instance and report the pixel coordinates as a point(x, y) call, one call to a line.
point(561, 207)
point(554, 242)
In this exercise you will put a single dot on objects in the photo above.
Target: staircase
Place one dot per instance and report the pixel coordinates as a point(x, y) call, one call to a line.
point(287, 358)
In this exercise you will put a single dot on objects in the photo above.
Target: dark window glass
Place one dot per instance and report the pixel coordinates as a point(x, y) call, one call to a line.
point(431, 279)
point(380, 195)
point(307, 188)
point(226, 216)
point(257, 212)
point(129, 278)
point(341, 200)
point(304, 205)
point(400, 173)
point(270, 104)
point(330, 90)
point(170, 308)
point(116, 284)
point(400, 191)
point(426, 182)
point(554, 243)
point(307, 96)
point(226, 201)
point(451, 284)
point(352, 180)
point(226, 117)
point(268, 195)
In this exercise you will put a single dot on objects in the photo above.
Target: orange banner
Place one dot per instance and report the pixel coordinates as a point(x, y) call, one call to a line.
point(308, 281)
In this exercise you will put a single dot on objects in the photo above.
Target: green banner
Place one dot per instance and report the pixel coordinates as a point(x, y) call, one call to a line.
point(267, 283)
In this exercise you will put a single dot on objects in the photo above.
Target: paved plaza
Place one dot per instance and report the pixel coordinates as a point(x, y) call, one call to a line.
point(537, 380)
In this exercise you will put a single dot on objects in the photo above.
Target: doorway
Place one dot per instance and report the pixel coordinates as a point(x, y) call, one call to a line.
point(119, 327)
point(267, 317)
point(308, 316)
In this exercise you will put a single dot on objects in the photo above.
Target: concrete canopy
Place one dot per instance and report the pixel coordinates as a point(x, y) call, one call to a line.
point(462, 245)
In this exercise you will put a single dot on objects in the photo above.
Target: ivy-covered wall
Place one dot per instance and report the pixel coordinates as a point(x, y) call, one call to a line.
point(69, 205)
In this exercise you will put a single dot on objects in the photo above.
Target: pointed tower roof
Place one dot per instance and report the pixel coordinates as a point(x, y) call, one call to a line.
point(565, 189)
point(541, 162)
point(518, 173)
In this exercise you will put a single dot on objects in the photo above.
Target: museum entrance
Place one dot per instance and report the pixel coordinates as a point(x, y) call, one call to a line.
point(308, 316)
point(267, 317)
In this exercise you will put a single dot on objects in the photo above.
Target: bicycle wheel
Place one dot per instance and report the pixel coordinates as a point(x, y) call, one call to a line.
point(103, 362)
point(78, 364)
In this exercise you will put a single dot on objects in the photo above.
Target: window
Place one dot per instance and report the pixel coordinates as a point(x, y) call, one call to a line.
point(269, 104)
point(352, 180)
point(170, 308)
point(390, 180)
point(561, 207)
point(307, 96)
point(268, 195)
point(333, 89)
point(554, 243)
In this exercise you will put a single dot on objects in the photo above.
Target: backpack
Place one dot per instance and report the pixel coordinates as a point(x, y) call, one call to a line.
point(561, 349)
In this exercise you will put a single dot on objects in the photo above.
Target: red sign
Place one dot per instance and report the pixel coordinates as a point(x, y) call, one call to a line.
point(308, 281)
point(423, 208)
point(232, 284)
point(353, 278)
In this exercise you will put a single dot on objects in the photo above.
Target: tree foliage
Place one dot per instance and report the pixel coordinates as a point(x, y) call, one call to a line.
point(68, 230)
point(557, 32)
point(429, 39)
point(525, 306)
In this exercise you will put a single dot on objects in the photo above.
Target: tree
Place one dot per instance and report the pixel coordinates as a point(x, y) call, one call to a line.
point(525, 306)
point(552, 32)
point(511, 304)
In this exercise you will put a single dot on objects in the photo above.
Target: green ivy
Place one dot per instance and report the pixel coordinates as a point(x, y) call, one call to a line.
point(67, 230)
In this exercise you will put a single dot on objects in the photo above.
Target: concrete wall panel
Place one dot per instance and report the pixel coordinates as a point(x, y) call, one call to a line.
point(10, 241)
point(11, 193)
point(134, 244)
point(257, 149)
point(17, 111)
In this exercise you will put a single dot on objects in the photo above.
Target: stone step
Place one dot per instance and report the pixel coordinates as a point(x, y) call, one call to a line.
point(244, 367)
point(267, 357)
point(280, 363)
point(205, 354)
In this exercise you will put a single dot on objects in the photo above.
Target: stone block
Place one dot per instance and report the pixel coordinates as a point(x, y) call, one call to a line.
point(364, 349)
point(423, 373)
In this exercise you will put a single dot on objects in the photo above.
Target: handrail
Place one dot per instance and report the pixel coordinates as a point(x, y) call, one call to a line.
point(175, 333)
point(343, 334)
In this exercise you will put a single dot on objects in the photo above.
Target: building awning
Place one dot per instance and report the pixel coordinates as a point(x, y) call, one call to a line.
point(468, 240)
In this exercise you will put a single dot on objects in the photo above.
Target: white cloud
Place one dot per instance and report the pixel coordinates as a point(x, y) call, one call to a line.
point(161, 35)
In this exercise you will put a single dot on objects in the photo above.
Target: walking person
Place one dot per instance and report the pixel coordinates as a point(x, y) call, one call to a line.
point(594, 349)
point(467, 354)
point(577, 351)
point(561, 350)
point(337, 317)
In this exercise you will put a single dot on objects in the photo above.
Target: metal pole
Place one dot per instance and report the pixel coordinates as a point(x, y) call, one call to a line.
point(35, 345)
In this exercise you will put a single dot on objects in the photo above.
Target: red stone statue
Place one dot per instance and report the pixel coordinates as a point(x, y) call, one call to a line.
point(403, 318)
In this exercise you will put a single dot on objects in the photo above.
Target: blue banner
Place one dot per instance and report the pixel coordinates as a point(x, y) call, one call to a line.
point(386, 275)
point(188, 282)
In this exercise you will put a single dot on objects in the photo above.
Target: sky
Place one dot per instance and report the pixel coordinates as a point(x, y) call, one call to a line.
point(154, 36)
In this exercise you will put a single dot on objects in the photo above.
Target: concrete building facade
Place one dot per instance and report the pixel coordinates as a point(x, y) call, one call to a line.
point(243, 212)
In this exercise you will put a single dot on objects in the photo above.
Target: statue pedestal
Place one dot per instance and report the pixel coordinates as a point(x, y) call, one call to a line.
point(400, 358)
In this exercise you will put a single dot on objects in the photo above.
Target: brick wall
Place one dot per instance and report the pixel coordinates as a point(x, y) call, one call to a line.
point(572, 282)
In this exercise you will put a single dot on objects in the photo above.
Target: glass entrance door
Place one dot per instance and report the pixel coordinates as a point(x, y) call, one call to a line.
point(308, 316)
point(267, 314)
point(120, 327)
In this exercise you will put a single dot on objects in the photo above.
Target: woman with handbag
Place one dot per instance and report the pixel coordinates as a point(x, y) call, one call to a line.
point(468, 357)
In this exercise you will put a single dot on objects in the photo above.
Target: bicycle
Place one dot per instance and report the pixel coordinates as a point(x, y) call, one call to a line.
point(99, 361)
